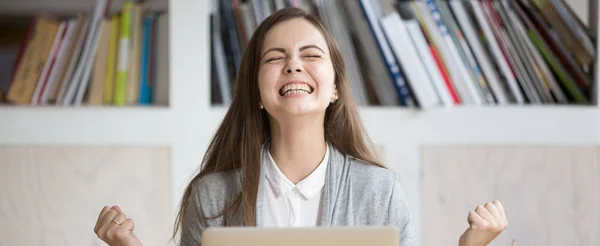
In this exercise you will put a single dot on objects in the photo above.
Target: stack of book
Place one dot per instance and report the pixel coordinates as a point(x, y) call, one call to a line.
point(95, 58)
point(432, 53)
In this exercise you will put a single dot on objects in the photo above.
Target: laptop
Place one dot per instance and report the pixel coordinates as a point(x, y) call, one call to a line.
point(301, 236)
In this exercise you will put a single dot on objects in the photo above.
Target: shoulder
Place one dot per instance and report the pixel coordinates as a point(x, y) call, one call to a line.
point(214, 191)
point(371, 176)
point(217, 182)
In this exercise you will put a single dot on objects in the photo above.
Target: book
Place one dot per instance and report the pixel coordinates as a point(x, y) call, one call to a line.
point(85, 58)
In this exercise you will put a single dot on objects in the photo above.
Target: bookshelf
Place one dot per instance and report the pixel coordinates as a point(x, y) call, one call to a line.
point(190, 76)
point(188, 123)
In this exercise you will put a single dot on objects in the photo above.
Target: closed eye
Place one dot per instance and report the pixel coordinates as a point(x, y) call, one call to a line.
point(273, 59)
point(313, 56)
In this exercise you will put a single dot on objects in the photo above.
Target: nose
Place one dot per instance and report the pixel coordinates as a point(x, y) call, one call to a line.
point(289, 71)
point(293, 65)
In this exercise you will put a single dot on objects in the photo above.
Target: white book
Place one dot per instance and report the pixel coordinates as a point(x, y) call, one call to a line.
point(405, 52)
point(61, 60)
point(444, 52)
point(466, 80)
point(484, 62)
point(75, 58)
point(85, 80)
point(497, 53)
point(82, 73)
point(392, 65)
point(49, 64)
point(434, 73)
point(466, 54)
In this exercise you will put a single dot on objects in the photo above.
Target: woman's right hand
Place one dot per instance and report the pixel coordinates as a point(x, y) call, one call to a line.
point(115, 229)
point(485, 223)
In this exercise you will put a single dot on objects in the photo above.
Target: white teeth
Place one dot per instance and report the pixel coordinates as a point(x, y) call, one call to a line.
point(296, 88)
point(293, 92)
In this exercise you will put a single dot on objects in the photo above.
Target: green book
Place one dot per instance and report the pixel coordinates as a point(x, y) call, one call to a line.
point(564, 78)
point(123, 57)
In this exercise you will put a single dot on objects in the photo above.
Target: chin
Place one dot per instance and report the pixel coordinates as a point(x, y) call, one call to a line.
point(302, 109)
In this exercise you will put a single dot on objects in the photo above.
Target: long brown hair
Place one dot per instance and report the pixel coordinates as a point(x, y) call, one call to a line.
point(238, 141)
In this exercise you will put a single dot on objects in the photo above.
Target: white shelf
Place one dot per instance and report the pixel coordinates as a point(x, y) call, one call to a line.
point(69, 7)
point(475, 125)
point(85, 125)
point(485, 125)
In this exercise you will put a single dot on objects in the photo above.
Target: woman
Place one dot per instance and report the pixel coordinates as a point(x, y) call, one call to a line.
point(291, 150)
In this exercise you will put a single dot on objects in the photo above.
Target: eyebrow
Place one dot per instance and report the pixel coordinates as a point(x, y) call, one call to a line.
point(311, 46)
point(282, 50)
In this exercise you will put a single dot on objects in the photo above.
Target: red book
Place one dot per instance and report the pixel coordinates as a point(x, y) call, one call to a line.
point(445, 75)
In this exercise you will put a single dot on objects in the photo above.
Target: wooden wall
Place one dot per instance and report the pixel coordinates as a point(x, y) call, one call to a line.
point(550, 193)
point(53, 195)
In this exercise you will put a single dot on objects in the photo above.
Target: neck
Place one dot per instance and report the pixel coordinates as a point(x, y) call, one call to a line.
point(297, 148)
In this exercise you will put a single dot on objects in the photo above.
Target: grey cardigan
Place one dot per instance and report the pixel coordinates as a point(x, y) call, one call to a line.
point(355, 194)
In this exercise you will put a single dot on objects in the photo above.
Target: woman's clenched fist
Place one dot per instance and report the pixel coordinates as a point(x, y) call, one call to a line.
point(114, 228)
point(485, 223)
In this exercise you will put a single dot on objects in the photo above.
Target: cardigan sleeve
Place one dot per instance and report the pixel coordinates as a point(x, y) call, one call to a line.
point(210, 195)
point(192, 223)
point(399, 216)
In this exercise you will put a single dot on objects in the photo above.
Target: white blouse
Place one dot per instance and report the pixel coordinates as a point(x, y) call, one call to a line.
point(289, 205)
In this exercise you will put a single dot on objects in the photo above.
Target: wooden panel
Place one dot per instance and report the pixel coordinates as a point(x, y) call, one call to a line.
point(53, 195)
point(550, 193)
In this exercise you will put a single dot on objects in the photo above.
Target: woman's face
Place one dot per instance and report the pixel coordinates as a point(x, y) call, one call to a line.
point(296, 75)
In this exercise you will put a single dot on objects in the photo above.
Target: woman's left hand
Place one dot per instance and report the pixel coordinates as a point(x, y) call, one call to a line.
point(485, 224)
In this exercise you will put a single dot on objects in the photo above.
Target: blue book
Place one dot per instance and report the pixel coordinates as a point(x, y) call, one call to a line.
point(145, 71)
point(404, 93)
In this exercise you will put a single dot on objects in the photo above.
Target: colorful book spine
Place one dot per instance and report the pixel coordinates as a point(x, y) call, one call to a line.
point(466, 86)
point(124, 47)
point(113, 49)
point(404, 93)
point(145, 97)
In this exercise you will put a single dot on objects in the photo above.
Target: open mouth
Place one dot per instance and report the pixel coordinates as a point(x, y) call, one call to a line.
point(295, 88)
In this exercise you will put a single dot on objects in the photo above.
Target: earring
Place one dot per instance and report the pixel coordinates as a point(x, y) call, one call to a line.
point(332, 101)
point(261, 106)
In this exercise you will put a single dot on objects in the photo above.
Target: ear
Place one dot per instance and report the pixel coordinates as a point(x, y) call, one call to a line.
point(335, 93)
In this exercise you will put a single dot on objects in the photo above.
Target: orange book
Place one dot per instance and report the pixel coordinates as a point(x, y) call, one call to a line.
point(17, 34)
point(96, 88)
point(33, 61)
point(133, 80)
